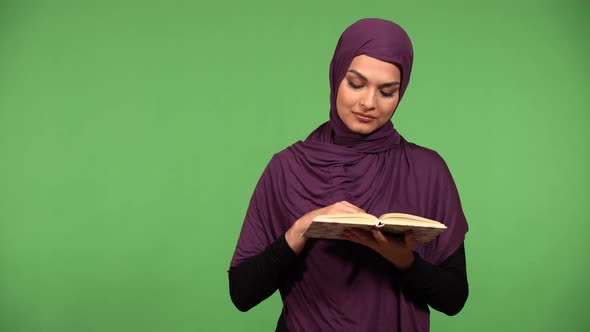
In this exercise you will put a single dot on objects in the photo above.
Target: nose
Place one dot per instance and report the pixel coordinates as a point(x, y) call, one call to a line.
point(368, 99)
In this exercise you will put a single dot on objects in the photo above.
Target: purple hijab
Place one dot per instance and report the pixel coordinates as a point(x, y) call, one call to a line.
point(339, 285)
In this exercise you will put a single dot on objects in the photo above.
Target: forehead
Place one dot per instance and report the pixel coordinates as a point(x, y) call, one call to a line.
point(375, 69)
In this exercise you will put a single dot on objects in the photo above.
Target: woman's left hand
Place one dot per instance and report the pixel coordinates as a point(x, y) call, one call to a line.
point(396, 250)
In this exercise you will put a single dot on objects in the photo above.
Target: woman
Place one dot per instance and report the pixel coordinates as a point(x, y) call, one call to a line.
point(355, 162)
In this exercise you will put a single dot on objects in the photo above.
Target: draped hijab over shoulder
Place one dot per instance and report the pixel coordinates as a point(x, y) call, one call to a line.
point(339, 285)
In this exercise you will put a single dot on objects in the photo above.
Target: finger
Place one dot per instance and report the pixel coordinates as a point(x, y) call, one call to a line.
point(379, 237)
point(346, 203)
point(388, 240)
point(355, 234)
point(350, 236)
point(361, 236)
point(409, 239)
point(352, 207)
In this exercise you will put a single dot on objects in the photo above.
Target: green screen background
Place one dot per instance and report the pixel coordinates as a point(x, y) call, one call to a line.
point(132, 134)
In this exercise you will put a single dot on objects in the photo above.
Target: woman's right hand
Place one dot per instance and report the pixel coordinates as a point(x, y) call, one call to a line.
point(294, 235)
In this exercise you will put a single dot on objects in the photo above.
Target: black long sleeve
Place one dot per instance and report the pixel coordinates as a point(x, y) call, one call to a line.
point(258, 277)
point(443, 287)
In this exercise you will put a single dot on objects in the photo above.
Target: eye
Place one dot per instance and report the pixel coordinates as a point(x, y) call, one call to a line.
point(354, 86)
point(387, 94)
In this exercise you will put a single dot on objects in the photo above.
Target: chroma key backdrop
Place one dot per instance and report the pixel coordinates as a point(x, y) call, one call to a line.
point(132, 134)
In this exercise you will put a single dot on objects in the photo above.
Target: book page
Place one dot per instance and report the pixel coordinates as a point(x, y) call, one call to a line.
point(331, 226)
point(349, 218)
point(408, 219)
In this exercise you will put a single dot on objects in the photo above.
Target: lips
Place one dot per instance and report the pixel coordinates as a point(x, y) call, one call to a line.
point(363, 117)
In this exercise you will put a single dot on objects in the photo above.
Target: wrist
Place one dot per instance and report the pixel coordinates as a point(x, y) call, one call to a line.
point(406, 261)
point(295, 240)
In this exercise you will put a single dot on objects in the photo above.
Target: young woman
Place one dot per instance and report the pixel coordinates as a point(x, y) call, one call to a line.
point(355, 162)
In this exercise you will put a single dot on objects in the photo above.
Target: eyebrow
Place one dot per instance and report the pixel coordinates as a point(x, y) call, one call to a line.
point(366, 80)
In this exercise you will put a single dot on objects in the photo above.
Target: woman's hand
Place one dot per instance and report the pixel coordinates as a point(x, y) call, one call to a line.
point(294, 235)
point(396, 250)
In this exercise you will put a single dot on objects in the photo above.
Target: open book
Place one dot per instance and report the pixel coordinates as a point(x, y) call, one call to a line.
point(331, 226)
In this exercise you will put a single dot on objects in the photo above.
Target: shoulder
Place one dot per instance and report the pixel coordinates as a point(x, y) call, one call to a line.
point(286, 155)
point(283, 160)
point(423, 156)
point(424, 162)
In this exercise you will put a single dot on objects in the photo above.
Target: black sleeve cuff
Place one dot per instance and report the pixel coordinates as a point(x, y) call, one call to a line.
point(443, 287)
point(419, 271)
point(280, 255)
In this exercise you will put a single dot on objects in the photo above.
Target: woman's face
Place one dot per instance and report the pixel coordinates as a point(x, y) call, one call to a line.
point(368, 94)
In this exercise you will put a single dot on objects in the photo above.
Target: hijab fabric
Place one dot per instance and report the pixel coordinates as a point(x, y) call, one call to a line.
point(380, 39)
point(338, 285)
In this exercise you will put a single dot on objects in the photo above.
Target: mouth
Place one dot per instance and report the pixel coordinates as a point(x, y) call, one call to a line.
point(363, 117)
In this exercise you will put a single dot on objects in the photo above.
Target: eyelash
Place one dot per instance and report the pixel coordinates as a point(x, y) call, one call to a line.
point(356, 87)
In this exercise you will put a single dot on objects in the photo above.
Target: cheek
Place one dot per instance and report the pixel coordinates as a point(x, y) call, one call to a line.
point(389, 106)
point(346, 99)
